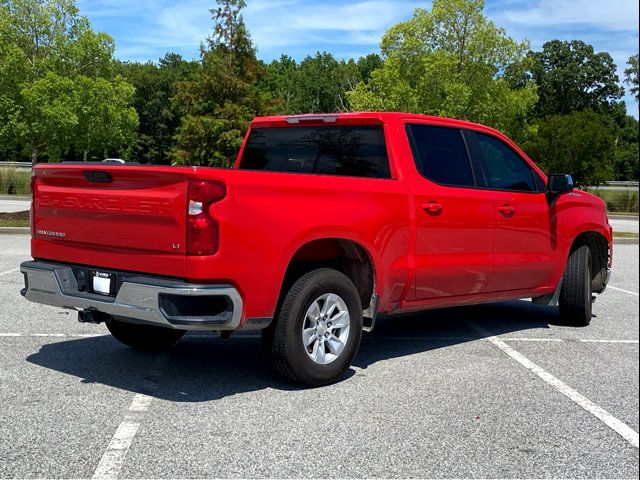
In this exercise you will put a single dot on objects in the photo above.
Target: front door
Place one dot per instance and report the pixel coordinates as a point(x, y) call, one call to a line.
point(524, 246)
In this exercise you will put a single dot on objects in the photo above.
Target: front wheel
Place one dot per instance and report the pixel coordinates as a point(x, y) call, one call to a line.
point(144, 337)
point(317, 329)
point(576, 294)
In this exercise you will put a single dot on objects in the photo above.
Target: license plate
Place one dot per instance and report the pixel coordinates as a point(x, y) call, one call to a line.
point(103, 283)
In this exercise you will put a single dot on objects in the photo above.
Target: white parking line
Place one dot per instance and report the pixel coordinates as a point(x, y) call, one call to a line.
point(596, 340)
point(564, 340)
point(9, 271)
point(114, 456)
point(55, 335)
point(417, 338)
point(528, 339)
point(621, 428)
point(140, 403)
point(623, 290)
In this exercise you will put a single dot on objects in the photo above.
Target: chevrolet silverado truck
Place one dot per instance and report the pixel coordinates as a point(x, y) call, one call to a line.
point(324, 223)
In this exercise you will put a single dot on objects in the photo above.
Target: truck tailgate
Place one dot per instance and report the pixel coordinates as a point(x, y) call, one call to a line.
point(127, 217)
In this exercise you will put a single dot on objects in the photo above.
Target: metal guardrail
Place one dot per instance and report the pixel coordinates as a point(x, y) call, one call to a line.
point(18, 165)
point(617, 183)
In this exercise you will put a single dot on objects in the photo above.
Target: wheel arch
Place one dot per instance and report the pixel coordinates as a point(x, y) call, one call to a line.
point(599, 247)
point(345, 255)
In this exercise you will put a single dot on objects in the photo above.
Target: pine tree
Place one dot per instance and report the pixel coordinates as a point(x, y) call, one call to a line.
point(218, 104)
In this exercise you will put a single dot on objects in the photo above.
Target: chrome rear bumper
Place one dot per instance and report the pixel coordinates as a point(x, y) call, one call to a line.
point(139, 299)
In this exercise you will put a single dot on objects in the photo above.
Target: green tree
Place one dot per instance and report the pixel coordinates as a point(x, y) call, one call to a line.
point(155, 85)
point(631, 75)
point(105, 123)
point(281, 83)
point(579, 143)
point(12, 73)
point(46, 118)
point(450, 61)
point(367, 65)
point(321, 83)
point(626, 158)
point(48, 56)
point(217, 105)
point(318, 84)
point(571, 76)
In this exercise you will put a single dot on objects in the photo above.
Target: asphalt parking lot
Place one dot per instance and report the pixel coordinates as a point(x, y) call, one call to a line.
point(495, 391)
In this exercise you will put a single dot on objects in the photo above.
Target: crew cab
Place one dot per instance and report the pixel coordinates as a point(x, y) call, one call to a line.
point(324, 223)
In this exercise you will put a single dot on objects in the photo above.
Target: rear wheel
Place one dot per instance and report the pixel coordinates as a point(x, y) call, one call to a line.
point(317, 329)
point(144, 337)
point(576, 295)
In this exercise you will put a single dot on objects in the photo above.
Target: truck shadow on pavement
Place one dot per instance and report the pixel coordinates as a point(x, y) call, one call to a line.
point(202, 367)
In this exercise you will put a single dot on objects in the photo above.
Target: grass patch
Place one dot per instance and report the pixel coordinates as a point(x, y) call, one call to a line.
point(14, 219)
point(15, 215)
point(14, 182)
point(14, 223)
point(625, 235)
point(625, 214)
point(619, 201)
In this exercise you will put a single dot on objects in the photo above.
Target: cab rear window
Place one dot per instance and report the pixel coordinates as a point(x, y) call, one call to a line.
point(346, 150)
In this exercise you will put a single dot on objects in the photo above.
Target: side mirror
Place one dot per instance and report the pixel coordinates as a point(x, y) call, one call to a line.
point(559, 183)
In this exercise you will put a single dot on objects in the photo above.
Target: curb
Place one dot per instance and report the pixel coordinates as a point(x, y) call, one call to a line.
point(15, 230)
point(625, 241)
point(17, 198)
point(623, 217)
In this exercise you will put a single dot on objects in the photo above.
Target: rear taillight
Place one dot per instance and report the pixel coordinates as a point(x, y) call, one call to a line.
point(202, 229)
point(32, 213)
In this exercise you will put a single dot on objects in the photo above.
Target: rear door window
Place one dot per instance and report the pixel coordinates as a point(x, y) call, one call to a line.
point(353, 151)
point(440, 155)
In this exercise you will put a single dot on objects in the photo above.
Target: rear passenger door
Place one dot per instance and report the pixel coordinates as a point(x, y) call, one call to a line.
point(524, 247)
point(454, 219)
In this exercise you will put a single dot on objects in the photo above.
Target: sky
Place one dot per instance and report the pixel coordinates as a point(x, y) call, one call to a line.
point(147, 29)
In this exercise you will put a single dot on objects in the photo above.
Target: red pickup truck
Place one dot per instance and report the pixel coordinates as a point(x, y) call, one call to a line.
point(325, 222)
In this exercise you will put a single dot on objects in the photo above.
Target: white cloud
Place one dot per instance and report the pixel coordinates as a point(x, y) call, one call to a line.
point(612, 15)
point(353, 16)
point(282, 23)
point(116, 8)
point(275, 25)
point(184, 23)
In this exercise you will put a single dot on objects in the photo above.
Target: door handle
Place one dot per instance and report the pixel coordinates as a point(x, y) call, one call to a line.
point(506, 210)
point(432, 207)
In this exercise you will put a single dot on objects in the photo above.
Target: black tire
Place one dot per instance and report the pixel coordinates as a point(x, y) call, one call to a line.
point(283, 343)
point(147, 338)
point(576, 293)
